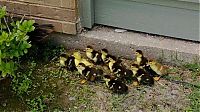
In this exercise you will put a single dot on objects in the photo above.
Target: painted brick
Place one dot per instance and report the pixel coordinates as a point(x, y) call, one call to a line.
point(53, 2)
point(71, 4)
point(31, 1)
point(61, 13)
point(53, 13)
point(19, 8)
point(68, 4)
point(42, 2)
point(59, 26)
point(41, 11)
point(69, 28)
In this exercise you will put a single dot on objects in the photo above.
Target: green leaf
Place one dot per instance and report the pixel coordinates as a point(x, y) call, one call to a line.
point(2, 12)
point(4, 35)
point(25, 51)
point(27, 26)
point(3, 74)
point(16, 54)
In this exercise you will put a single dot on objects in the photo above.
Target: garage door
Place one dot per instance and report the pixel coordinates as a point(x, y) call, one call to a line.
point(174, 18)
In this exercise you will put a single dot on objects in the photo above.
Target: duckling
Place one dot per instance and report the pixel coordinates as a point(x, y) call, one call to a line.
point(119, 71)
point(114, 65)
point(79, 59)
point(157, 67)
point(82, 68)
point(137, 71)
point(140, 59)
point(151, 72)
point(142, 76)
point(63, 59)
point(116, 85)
point(70, 62)
point(91, 74)
point(86, 62)
point(104, 55)
point(93, 55)
point(67, 62)
point(146, 79)
point(124, 74)
point(127, 75)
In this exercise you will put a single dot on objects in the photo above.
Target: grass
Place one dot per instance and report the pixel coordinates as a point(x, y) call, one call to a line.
point(195, 95)
point(194, 68)
point(194, 100)
point(117, 102)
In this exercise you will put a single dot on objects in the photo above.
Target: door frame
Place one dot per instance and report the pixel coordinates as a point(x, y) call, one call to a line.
point(86, 9)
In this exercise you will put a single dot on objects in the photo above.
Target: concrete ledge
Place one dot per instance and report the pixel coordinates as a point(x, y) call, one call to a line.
point(167, 50)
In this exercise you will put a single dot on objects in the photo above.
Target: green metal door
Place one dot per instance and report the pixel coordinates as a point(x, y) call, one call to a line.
point(174, 18)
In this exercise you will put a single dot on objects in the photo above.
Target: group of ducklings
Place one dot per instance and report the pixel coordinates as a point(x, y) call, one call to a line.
point(141, 72)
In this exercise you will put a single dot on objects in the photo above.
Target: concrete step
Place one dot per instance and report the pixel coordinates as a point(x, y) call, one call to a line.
point(165, 49)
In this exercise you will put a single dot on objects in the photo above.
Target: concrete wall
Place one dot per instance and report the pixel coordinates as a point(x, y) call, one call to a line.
point(61, 13)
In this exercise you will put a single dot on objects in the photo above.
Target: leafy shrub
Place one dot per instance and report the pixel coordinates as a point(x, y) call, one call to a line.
point(13, 42)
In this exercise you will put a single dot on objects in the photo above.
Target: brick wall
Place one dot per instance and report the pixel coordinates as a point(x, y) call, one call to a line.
point(61, 13)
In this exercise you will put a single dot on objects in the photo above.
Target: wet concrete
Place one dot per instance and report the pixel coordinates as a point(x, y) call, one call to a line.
point(165, 49)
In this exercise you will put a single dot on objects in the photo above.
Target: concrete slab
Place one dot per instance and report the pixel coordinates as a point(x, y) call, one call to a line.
point(164, 49)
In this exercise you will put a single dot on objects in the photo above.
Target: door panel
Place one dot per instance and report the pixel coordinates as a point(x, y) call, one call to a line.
point(156, 19)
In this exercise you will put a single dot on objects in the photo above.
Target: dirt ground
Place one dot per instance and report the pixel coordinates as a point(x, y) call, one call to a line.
point(164, 96)
point(70, 95)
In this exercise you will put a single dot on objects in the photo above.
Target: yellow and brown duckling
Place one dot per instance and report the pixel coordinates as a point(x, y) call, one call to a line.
point(143, 77)
point(90, 73)
point(114, 65)
point(77, 56)
point(145, 64)
point(105, 56)
point(63, 59)
point(120, 71)
point(68, 62)
point(146, 79)
point(127, 75)
point(79, 59)
point(140, 59)
point(151, 72)
point(157, 68)
point(115, 85)
point(93, 55)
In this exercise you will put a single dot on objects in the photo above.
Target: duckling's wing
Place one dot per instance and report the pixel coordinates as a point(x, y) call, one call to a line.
point(71, 63)
point(147, 80)
point(99, 59)
point(151, 72)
